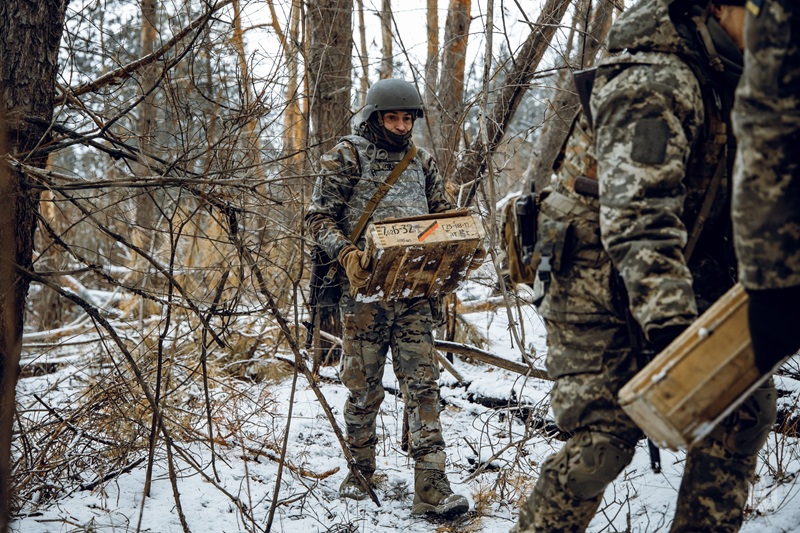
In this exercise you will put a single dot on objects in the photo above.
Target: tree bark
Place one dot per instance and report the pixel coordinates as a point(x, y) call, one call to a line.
point(30, 34)
point(431, 74)
point(449, 109)
point(363, 55)
point(145, 206)
point(329, 70)
point(387, 66)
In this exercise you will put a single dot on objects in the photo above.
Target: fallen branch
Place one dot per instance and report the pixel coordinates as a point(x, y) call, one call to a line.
point(466, 350)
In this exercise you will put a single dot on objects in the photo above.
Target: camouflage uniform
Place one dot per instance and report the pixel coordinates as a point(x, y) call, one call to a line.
point(654, 147)
point(351, 172)
point(766, 213)
point(767, 119)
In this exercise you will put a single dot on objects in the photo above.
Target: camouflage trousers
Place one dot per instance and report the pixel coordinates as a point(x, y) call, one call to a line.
point(717, 473)
point(370, 329)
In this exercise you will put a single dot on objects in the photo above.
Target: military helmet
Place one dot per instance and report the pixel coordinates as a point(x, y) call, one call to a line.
point(392, 94)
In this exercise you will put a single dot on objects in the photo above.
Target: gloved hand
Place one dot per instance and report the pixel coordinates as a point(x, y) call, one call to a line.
point(773, 316)
point(352, 259)
point(477, 259)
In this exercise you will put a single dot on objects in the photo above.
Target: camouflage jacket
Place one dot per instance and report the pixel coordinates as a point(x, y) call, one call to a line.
point(655, 142)
point(767, 119)
point(351, 172)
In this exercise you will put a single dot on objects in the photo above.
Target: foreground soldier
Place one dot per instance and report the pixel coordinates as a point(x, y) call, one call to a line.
point(640, 190)
point(351, 172)
point(767, 182)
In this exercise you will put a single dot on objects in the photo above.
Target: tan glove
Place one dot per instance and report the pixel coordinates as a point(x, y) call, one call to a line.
point(478, 258)
point(353, 259)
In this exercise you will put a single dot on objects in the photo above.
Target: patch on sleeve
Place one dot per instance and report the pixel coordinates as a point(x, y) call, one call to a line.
point(650, 141)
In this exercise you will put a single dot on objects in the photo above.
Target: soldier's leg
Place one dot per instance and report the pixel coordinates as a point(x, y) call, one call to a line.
point(364, 349)
point(415, 365)
point(719, 469)
point(572, 481)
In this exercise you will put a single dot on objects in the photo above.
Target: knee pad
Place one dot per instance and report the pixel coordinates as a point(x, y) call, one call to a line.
point(590, 461)
point(752, 421)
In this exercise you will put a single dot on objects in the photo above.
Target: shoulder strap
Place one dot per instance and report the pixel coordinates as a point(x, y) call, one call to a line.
point(383, 188)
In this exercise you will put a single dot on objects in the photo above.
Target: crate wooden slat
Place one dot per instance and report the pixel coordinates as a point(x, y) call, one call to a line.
point(421, 256)
point(700, 378)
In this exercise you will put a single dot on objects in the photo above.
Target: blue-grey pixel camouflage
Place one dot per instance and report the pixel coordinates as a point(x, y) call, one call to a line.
point(767, 117)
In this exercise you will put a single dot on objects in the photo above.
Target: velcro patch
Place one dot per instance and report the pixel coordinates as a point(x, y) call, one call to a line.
point(650, 141)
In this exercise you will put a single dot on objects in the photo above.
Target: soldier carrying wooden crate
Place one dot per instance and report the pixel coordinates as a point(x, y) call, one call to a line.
point(379, 174)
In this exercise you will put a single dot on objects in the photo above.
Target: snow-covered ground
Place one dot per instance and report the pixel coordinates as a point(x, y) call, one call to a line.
point(492, 436)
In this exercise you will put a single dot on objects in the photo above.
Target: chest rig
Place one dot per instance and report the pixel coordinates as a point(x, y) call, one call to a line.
point(405, 198)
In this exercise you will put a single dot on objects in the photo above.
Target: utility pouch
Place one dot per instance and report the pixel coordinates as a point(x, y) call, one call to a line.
point(326, 289)
point(519, 237)
point(550, 247)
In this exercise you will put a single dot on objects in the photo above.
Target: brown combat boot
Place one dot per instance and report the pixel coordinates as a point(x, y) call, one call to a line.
point(432, 492)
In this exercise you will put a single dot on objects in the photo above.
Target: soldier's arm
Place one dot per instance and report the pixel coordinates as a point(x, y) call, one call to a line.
point(646, 121)
point(434, 184)
point(332, 190)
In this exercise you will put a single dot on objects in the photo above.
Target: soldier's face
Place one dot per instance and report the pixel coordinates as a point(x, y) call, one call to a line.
point(731, 18)
point(398, 122)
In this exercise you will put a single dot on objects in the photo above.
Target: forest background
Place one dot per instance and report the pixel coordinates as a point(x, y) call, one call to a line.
point(159, 159)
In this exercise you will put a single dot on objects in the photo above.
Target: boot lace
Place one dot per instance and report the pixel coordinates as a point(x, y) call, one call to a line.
point(439, 481)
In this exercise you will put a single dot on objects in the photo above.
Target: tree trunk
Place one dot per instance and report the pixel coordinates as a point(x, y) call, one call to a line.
point(363, 55)
point(431, 73)
point(145, 206)
point(30, 33)
point(561, 110)
point(143, 232)
point(449, 111)
point(329, 68)
point(387, 65)
point(328, 71)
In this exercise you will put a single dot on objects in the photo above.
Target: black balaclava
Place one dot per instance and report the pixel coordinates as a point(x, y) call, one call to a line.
point(375, 132)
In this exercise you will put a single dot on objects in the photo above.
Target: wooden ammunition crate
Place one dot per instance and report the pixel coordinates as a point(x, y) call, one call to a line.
point(700, 378)
point(421, 256)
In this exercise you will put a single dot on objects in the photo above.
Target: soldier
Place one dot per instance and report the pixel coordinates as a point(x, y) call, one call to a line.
point(633, 245)
point(766, 212)
point(351, 172)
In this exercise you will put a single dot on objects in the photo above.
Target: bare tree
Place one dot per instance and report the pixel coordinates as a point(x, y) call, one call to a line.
point(449, 109)
point(525, 63)
point(328, 71)
point(30, 33)
point(387, 60)
point(329, 67)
